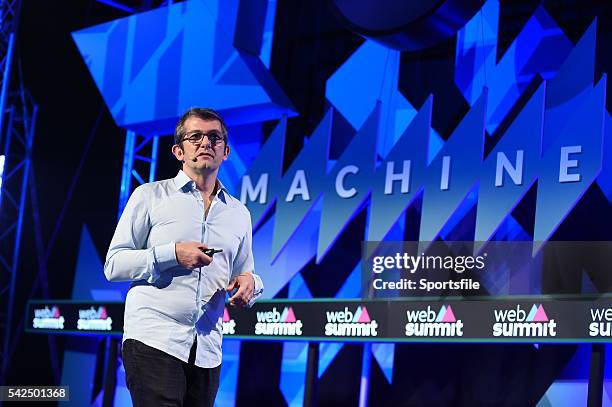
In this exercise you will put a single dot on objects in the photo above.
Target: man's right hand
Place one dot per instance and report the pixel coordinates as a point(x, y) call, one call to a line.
point(189, 255)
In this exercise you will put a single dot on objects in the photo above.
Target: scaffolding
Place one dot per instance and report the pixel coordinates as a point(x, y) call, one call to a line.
point(139, 157)
point(17, 126)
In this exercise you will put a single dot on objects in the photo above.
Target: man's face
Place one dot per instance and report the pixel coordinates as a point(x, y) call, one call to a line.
point(202, 155)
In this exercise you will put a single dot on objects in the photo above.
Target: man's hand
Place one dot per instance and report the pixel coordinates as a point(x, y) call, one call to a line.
point(189, 255)
point(245, 283)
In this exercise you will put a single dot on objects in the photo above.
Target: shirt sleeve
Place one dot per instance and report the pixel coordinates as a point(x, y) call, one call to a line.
point(128, 259)
point(244, 263)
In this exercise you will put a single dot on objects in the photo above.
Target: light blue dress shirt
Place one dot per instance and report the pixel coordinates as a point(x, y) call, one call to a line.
point(167, 304)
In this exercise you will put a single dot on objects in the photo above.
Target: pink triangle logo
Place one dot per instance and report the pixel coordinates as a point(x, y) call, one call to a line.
point(290, 316)
point(226, 316)
point(103, 314)
point(56, 313)
point(449, 316)
point(540, 315)
point(364, 317)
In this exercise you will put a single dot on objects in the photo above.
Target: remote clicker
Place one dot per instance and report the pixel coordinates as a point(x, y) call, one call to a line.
point(210, 251)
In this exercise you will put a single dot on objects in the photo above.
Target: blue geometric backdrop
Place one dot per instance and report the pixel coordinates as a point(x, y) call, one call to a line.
point(538, 105)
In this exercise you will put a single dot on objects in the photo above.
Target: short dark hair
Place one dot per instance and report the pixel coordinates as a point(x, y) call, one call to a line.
point(203, 113)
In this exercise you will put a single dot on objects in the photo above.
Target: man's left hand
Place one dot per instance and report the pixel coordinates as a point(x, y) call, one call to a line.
point(245, 283)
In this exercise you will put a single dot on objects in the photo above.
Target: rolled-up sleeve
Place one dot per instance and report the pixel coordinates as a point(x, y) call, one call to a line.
point(128, 258)
point(244, 263)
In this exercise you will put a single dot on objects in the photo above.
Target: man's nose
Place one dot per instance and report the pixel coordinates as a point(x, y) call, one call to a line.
point(206, 143)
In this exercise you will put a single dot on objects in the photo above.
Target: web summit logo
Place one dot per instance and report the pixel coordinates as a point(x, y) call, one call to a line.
point(347, 323)
point(518, 323)
point(602, 322)
point(278, 323)
point(45, 318)
point(428, 323)
point(92, 319)
point(229, 325)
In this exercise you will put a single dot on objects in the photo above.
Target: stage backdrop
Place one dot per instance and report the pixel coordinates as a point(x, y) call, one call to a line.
point(379, 127)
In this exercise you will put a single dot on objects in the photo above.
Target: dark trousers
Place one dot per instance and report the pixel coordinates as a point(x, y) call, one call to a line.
point(157, 379)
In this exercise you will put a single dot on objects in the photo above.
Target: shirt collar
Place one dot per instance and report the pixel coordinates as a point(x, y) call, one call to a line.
point(182, 181)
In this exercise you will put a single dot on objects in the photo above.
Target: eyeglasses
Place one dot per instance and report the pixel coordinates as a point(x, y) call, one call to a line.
point(198, 136)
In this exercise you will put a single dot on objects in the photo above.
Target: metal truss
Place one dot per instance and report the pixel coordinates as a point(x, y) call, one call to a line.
point(9, 15)
point(17, 125)
point(139, 157)
point(20, 118)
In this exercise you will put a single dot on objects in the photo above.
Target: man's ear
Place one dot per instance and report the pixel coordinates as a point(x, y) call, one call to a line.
point(227, 151)
point(178, 152)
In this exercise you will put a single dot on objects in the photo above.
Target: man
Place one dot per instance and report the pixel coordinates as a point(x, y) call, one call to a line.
point(174, 307)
